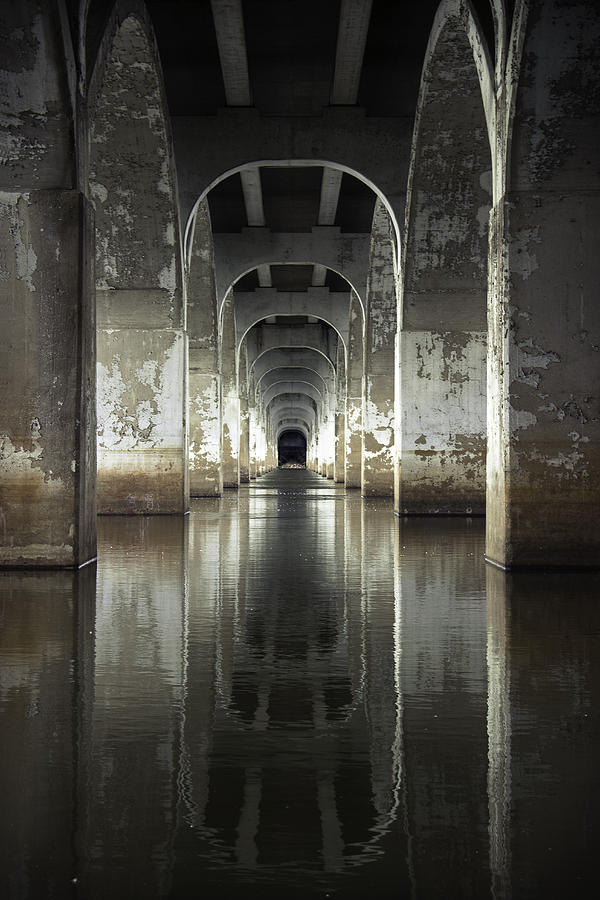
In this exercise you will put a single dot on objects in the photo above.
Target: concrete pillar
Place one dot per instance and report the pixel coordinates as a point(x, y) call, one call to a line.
point(230, 401)
point(353, 430)
point(377, 475)
point(47, 357)
point(244, 415)
point(340, 414)
point(244, 442)
point(206, 479)
point(141, 343)
point(441, 433)
point(543, 485)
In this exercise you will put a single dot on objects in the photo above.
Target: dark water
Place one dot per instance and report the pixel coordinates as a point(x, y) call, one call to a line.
point(291, 693)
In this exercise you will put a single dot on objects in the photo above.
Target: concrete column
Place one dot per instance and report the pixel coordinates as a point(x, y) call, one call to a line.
point(244, 449)
point(543, 484)
point(441, 433)
point(377, 475)
point(230, 401)
point(47, 357)
point(340, 415)
point(206, 479)
point(244, 442)
point(141, 344)
point(353, 430)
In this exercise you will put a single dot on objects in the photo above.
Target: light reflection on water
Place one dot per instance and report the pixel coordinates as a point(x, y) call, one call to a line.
point(292, 690)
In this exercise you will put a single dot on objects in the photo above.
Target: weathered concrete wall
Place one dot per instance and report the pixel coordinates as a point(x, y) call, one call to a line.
point(544, 410)
point(377, 476)
point(47, 359)
point(443, 422)
point(204, 415)
point(441, 432)
point(353, 430)
point(142, 352)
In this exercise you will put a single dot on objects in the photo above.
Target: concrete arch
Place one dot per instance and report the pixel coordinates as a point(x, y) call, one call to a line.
point(286, 408)
point(450, 180)
point(458, 16)
point(217, 178)
point(293, 425)
point(289, 349)
point(303, 401)
point(254, 306)
point(291, 387)
point(304, 376)
point(293, 358)
point(345, 254)
point(139, 288)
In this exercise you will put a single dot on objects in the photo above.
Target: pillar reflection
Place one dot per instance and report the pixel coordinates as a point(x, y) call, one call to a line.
point(296, 780)
point(45, 622)
point(444, 690)
point(544, 719)
point(131, 746)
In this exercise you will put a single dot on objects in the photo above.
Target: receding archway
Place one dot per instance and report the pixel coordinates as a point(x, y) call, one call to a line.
point(291, 449)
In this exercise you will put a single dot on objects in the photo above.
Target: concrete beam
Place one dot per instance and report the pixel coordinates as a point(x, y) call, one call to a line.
point(253, 306)
point(352, 37)
point(255, 214)
point(294, 357)
point(293, 375)
point(237, 254)
point(330, 192)
point(292, 387)
point(375, 149)
point(309, 337)
point(231, 42)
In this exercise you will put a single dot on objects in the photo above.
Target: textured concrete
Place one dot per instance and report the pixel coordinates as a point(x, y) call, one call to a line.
point(443, 423)
point(142, 348)
point(346, 254)
point(377, 473)
point(441, 430)
point(543, 499)
point(354, 382)
point(204, 414)
point(47, 357)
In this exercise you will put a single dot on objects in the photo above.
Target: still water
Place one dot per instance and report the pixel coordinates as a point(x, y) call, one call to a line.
point(291, 693)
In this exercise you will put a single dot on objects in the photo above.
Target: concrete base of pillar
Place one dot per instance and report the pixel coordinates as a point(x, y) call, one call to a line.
point(148, 482)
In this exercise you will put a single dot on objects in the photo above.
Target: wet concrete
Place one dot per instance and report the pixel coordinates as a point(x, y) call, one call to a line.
point(293, 692)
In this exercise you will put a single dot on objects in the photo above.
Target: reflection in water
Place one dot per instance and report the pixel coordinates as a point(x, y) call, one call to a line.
point(294, 691)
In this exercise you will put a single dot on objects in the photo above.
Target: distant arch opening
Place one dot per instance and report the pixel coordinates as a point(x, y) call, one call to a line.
point(291, 449)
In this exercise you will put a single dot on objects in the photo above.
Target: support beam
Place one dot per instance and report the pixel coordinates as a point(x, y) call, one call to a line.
point(330, 192)
point(255, 213)
point(352, 37)
point(238, 253)
point(229, 27)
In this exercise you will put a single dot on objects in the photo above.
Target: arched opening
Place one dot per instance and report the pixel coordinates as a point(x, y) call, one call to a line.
point(291, 450)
